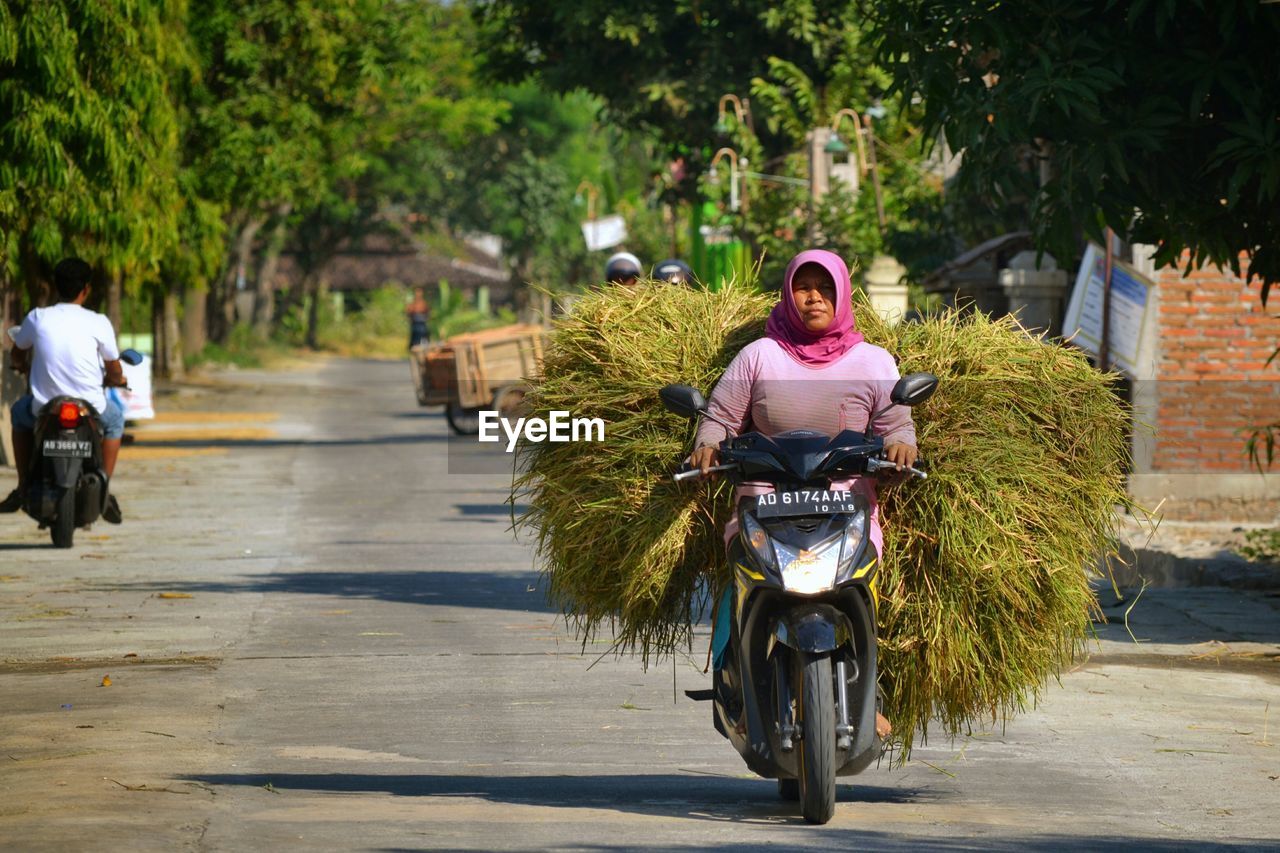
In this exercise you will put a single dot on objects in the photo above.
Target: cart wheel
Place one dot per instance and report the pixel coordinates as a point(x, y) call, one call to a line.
point(509, 401)
point(462, 421)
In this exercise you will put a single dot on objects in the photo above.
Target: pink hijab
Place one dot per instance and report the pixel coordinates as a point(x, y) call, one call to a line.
point(815, 349)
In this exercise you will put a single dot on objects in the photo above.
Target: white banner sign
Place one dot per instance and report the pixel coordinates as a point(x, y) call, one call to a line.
point(137, 398)
point(604, 233)
point(1131, 345)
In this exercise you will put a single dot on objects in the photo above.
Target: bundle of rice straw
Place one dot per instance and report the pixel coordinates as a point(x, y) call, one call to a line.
point(984, 593)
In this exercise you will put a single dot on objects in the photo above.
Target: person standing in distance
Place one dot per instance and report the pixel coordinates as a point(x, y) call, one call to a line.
point(419, 313)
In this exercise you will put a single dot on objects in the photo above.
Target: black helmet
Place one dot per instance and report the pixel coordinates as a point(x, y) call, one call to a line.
point(673, 270)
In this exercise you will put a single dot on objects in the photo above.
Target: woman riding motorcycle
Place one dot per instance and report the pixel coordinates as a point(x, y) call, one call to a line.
point(814, 371)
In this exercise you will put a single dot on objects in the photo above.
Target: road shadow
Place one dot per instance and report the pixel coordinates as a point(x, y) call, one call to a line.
point(814, 837)
point(493, 513)
point(702, 797)
point(434, 412)
point(505, 590)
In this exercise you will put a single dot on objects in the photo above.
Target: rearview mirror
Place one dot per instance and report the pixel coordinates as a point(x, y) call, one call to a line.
point(913, 389)
point(684, 400)
point(131, 356)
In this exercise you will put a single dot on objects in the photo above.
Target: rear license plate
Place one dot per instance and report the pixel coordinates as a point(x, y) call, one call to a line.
point(68, 448)
point(805, 502)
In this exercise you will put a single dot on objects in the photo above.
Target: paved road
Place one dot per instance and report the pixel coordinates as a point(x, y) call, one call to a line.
point(321, 635)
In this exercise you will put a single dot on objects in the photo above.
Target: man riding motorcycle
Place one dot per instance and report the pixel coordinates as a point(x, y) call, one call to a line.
point(68, 349)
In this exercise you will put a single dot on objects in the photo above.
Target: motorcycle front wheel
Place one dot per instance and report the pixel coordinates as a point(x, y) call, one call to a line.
point(818, 738)
point(63, 529)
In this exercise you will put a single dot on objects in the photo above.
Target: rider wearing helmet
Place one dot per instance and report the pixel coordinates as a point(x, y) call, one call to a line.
point(622, 268)
point(673, 270)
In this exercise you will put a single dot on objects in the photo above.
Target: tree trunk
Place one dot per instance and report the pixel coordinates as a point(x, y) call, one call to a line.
point(264, 304)
point(159, 362)
point(171, 331)
point(315, 292)
point(236, 278)
point(195, 334)
point(115, 293)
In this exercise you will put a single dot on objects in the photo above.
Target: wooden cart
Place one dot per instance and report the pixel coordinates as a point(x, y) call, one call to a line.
point(478, 370)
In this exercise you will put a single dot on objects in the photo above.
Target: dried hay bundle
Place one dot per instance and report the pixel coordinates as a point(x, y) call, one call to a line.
point(983, 586)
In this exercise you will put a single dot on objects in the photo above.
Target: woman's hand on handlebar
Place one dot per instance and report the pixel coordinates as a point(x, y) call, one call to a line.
point(703, 458)
point(901, 455)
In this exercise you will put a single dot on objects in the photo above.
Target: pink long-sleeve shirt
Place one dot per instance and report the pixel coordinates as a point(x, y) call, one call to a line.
point(768, 391)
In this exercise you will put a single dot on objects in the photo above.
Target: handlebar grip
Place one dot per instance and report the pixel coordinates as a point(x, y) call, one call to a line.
point(877, 465)
point(694, 473)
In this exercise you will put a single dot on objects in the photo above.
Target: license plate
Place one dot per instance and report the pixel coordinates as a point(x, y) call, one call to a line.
point(805, 502)
point(68, 448)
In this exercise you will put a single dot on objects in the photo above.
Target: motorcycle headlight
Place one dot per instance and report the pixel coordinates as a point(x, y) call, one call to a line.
point(851, 542)
point(809, 570)
point(758, 541)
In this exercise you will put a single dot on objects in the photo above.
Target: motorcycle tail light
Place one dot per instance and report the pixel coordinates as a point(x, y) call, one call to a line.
point(69, 415)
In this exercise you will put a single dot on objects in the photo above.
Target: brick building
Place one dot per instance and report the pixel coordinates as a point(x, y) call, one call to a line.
point(1212, 386)
point(1200, 390)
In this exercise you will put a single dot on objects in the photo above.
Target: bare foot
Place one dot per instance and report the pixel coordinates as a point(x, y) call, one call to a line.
point(883, 729)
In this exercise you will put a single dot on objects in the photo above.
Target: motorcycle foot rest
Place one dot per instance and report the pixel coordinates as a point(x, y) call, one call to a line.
point(701, 695)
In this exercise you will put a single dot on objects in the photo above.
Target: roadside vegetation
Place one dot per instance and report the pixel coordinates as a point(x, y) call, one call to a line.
point(370, 325)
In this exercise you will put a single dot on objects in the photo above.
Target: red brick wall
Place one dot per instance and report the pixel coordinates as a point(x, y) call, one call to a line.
point(1215, 338)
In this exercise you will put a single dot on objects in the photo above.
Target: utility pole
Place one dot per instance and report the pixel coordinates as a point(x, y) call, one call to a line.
point(875, 171)
point(819, 174)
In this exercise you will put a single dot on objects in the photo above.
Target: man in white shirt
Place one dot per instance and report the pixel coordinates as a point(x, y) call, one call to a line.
point(70, 349)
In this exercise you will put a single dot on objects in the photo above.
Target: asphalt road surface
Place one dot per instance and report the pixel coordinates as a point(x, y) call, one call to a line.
point(319, 633)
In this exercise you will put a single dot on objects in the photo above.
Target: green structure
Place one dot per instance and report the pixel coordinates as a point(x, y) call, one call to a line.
point(717, 255)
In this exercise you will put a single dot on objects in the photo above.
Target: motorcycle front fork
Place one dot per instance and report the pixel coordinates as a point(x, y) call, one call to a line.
point(789, 730)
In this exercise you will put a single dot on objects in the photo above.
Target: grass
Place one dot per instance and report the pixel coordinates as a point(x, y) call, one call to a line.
point(1261, 546)
point(983, 582)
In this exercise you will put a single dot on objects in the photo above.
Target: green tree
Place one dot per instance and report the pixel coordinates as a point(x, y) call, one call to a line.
point(664, 65)
point(521, 181)
point(89, 129)
point(1157, 118)
point(316, 115)
point(790, 105)
point(274, 74)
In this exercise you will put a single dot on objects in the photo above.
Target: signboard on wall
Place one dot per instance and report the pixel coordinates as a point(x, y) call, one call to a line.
point(1131, 344)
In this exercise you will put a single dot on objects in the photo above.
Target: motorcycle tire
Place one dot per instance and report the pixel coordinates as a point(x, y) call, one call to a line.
point(63, 529)
point(461, 420)
point(818, 738)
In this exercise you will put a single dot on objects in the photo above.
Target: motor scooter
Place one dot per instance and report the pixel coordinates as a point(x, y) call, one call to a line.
point(67, 486)
point(796, 690)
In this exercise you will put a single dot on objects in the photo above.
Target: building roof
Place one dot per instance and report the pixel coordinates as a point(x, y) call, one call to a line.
point(381, 258)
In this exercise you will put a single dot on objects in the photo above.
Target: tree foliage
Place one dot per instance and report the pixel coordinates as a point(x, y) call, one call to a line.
point(1157, 118)
point(664, 65)
point(90, 132)
point(800, 62)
